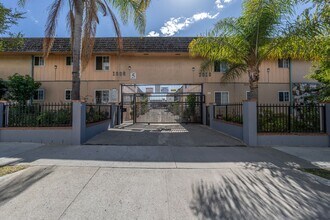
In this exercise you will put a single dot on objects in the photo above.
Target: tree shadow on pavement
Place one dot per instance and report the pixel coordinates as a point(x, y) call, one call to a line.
point(261, 194)
point(14, 185)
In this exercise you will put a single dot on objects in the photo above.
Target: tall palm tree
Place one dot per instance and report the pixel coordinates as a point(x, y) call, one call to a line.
point(262, 32)
point(82, 21)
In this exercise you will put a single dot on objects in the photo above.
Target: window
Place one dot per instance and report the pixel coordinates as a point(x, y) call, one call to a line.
point(283, 63)
point(67, 94)
point(248, 93)
point(39, 61)
point(220, 66)
point(102, 63)
point(283, 96)
point(221, 98)
point(39, 95)
point(69, 61)
point(102, 96)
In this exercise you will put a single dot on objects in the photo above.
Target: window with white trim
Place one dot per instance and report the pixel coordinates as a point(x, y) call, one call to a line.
point(220, 66)
point(39, 61)
point(283, 96)
point(221, 98)
point(102, 63)
point(67, 94)
point(68, 61)
point(283, 63)
point(102, 96)
point(39, 95)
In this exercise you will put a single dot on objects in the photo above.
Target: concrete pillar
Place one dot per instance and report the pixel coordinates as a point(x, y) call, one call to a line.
point(113, 115)
point(211, 110)
point(204, 114)
point(78, 123)
point(327, 121)
point(250, 135)
point(2, 109)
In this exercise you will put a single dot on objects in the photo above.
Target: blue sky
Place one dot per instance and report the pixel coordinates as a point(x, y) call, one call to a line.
point(164, 18)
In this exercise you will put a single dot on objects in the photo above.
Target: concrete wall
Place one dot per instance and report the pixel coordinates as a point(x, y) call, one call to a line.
point(96, 128)
point(299, 140)
point(37, 135)
point(232, 129)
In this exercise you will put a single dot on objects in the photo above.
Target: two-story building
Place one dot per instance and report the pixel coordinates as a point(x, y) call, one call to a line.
point(146, 65)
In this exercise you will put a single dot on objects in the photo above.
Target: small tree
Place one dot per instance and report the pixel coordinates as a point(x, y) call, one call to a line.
point(3, 88)
point(22, 88)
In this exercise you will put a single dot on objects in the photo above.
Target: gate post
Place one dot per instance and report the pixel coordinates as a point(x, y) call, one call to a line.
point(2, 114)
point(204, 113)
point(327, 121)
point(78, 122)
point(250, 135)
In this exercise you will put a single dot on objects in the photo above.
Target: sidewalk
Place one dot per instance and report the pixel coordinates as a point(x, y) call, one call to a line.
point(319, 156)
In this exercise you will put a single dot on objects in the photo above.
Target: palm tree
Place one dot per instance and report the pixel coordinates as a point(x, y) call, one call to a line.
point(82, 21)
point(260, 33)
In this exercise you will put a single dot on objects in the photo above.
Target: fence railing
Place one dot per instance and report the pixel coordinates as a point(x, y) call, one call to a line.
point(291, 118)
point(229, 112)
point(97, 113)
point(37, 115)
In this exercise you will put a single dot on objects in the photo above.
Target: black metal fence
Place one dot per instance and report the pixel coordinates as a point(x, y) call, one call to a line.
point(229, 112)
point(97, 113)
point(37, 115)
point(291, 118)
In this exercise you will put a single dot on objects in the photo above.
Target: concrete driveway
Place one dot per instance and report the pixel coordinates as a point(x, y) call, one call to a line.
point(160, 182)
point(140, 134)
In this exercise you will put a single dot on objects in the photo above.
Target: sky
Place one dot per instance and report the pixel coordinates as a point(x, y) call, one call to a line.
point(165, 18)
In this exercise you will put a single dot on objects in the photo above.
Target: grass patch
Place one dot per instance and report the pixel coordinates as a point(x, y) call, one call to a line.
point(318, 172)
point(4, 170)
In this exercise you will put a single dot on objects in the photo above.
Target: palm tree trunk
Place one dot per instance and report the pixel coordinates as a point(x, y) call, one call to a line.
point(253, 80)
point(76, 50)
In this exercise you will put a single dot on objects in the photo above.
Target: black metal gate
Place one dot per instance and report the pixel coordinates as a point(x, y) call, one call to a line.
point(165, 106)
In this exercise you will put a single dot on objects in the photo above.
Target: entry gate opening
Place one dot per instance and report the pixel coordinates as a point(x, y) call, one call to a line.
point(162, 103)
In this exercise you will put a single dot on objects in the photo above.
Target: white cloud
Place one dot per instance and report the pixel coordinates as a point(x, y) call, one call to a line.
point(32, 17)
point(221, 3)
point(153, 34)
point(174, 25)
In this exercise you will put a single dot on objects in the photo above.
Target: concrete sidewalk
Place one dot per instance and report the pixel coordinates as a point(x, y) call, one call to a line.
point(319, 156)
point(111, 193)
point(159, 182)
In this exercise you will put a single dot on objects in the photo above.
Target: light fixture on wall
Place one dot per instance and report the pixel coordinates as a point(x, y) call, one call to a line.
point(193, 69)
point(55, 67)
point(268, 70)
point(129, 67)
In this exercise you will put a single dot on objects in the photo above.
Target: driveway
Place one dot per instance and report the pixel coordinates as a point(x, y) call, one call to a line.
point(181, 135)
point(160, 182)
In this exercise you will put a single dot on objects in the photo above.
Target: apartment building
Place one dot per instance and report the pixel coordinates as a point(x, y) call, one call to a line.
point(146, 65)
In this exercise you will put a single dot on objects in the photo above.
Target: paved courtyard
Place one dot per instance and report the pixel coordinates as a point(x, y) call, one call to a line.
point(158, 182)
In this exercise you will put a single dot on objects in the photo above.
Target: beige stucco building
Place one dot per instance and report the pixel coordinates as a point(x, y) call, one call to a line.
point(143, 61)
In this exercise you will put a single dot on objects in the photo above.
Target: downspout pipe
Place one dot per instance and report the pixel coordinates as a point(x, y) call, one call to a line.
point(290, 81)
point(32, 74)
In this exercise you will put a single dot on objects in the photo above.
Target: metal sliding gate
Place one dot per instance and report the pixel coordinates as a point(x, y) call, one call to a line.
point(162, 103)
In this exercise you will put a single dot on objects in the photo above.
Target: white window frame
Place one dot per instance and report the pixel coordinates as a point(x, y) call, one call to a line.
point(101, 90)
point(221, 95)
point(66, 61)
point(43, 95)
point(70, 94)
point(40, 57)
point(283, 61)
point(103, 66)
point(283, 96)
